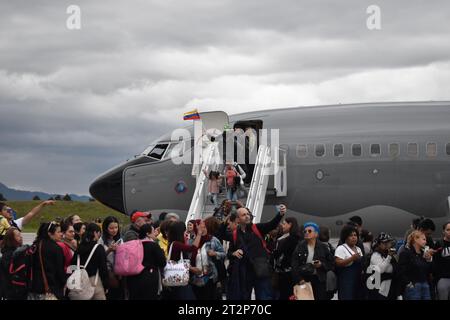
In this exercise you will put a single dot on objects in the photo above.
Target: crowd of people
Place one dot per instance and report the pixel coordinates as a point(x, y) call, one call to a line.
point(229, 256)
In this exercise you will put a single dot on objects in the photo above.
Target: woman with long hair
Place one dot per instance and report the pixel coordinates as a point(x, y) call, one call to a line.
point(49, 277)
point(97, 268)
point(191, 231)
point(68, 243)
point(210, 250)
point(110, 240)
point(177, 245)
point(282, 255)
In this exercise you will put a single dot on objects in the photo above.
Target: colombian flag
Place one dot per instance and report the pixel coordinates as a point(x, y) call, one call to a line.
point(191, 115)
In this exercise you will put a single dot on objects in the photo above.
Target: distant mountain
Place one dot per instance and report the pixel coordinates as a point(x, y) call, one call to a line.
point(15, 195)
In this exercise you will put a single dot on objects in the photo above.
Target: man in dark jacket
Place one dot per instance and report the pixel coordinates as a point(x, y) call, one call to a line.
point(248, 249)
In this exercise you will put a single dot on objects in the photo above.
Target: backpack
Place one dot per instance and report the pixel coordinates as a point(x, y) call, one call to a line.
point(128, 258)
point(78, 283)
point(20, 272)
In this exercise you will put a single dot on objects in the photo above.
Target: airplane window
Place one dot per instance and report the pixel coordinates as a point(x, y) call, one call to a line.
point(320, 150)
point(413, 149)
point(447, 149)
point(338, 150)
point(302, 150)
point(394, 149)
point(375, 149)
point(148, 149)
point(431, 149)
point(356, 150)
point(158, 151)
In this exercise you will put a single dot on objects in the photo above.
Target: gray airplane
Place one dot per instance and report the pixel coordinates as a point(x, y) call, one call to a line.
point(386, 162)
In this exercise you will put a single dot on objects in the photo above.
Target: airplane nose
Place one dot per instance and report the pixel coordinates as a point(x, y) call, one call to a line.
point(108, 189)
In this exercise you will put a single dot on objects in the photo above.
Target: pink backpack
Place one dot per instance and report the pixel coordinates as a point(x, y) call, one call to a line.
point(128, 258)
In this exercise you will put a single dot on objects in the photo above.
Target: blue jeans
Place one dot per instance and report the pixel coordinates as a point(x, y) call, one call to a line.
point(262, 286)
point(179, 293)
point(231, 195)
point(420, 291)
point(263, 289)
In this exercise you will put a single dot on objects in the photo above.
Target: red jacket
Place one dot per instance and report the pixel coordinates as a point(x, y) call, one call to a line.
point(68, 254)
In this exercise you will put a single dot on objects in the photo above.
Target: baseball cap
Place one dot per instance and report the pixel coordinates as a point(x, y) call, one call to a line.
point(139, 214)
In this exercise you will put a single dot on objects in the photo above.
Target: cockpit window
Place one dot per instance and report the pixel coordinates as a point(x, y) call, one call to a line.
point(158, 151)
point(175, 150)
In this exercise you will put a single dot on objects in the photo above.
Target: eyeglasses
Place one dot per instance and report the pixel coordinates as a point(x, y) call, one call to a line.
point(308, 231)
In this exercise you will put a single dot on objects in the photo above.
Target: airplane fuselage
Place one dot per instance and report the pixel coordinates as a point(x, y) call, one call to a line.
point(385, 162)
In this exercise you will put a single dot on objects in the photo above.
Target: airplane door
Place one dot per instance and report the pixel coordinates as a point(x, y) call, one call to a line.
point(214, 120)
point(280, 177)
point(213, 125)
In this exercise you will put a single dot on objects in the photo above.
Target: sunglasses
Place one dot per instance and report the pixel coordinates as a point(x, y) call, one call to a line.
point(308, 231)
point(51, 224)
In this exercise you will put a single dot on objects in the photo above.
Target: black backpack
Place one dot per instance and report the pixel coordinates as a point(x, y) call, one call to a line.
point(20, 273)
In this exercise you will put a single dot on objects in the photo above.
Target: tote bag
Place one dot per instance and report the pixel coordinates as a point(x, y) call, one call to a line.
point(303, 291)
point(176, 273)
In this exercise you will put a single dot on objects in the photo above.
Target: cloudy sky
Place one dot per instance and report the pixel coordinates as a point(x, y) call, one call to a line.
point(74, 103)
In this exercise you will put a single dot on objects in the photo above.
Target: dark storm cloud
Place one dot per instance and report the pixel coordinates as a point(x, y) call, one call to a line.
point(74, 103)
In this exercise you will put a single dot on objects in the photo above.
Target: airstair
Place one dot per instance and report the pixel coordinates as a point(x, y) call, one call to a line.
point(269, 162)
point(198, 205)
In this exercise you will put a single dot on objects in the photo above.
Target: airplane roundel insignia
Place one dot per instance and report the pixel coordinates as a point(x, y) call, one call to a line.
point(181, 187)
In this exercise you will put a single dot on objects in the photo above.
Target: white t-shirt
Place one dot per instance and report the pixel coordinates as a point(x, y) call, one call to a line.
point(19, 223)
point(310, 254)
point(344, 252)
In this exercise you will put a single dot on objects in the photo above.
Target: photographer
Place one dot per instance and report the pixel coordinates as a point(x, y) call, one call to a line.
point(312, 260)
point(249, 257)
